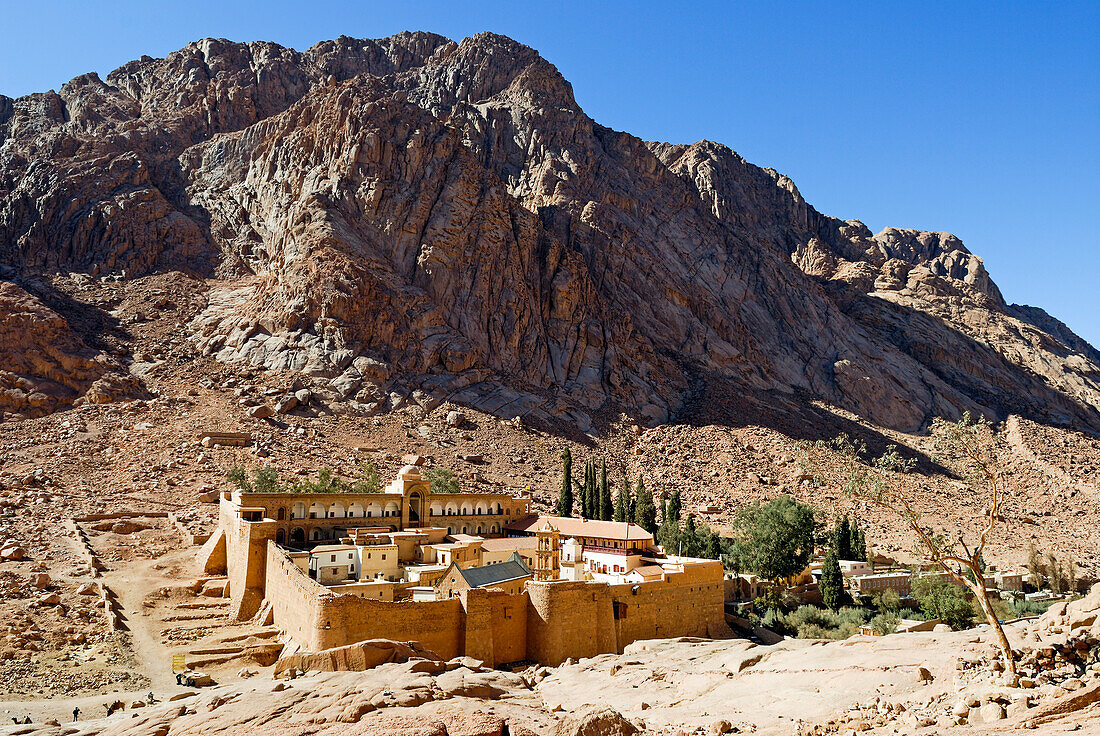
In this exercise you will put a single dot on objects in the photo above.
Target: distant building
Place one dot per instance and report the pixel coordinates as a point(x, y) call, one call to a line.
point(900, 582)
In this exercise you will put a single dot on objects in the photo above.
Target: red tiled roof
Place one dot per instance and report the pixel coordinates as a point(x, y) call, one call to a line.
point(570, 527)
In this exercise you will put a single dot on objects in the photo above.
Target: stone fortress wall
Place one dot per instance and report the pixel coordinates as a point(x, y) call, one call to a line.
point(548, 623)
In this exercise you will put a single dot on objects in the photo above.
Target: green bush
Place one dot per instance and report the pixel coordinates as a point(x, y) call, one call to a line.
point(442, 480)
point(884, 623)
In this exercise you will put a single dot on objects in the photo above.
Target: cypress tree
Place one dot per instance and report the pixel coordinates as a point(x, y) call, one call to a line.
point(690, 538)
point(590, 490)
point(645, 511)
point(713, 547)
point(584, 492)
point(853, 546)
point(565, 500)
point(675, 506)
point(832, 582)
point(606, 509)
point(843, 540)
point(622, 504)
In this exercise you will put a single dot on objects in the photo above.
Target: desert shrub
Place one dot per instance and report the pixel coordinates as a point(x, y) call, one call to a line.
point(884, 623)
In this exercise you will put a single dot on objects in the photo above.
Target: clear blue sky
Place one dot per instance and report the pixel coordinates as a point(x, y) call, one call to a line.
point(978, 118)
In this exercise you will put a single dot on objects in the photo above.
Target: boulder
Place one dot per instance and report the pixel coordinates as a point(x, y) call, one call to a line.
point(596, 720)
point(263, 411)
point(13, 553)
point(40, 581)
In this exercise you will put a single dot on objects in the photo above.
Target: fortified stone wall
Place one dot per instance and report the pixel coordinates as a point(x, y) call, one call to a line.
point(246, 557)
point(316, 618)
point(569, 619)
point(688, 603)
point(296, 600)
point(550, 622)
point(496, 625)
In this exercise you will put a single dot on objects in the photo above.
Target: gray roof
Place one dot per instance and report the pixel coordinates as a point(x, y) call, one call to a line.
point(513, 568)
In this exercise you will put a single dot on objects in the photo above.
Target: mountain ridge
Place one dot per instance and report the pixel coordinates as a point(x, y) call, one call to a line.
point(414, 214)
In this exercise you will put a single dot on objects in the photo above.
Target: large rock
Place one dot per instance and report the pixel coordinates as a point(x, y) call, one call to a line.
point(357, 657)
point(596, 720)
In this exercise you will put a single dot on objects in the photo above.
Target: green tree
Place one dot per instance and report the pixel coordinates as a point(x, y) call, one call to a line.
point(675, 507)
point(842, 539)
point(888, 601)
point(265, 479)
point(622, 503)
point(369, 480)
point(857, 545)
point(238, 477)
point(832, 582)
point(645, 511)
point(607, 510)
point(689, 539)
point(713, 548)
point(441, 480)
point(944, 600)
point(975, 451)
point(565, 500)
point(775, 539)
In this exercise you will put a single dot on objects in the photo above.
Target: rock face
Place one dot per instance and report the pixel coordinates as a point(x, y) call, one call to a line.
point(44, 364)
point(418, 215)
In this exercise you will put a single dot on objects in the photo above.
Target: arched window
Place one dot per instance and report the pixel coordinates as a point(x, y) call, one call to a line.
point(356, 510)
point(297, 535)
point(299, 511)
point(480, 508)
point(316, 510)
point(316, 534)
point(280, 537)
point(466, 511)
point(337, 511)
point(498, 508)
point(495, 529)
point(280, 514)
point(392, 509)
point(478, 529)
point(452, 509)
point(373, 509)
point(436, 509)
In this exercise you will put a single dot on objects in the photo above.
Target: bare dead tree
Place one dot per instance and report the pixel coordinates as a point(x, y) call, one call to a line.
point(970, 446)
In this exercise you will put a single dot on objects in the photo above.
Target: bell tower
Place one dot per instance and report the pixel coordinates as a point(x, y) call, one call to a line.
point(548, 554)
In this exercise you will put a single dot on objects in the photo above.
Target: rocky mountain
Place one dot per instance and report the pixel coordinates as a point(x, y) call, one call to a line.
point(415, 215)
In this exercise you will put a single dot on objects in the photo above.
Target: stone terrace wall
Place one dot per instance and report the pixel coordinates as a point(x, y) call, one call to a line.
point(245, 558)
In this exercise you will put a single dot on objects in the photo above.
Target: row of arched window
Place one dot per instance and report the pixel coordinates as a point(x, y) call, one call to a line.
point(357, 510)
point(298, 535)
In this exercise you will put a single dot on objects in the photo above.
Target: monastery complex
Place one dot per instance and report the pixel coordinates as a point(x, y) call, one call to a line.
point(475, 574)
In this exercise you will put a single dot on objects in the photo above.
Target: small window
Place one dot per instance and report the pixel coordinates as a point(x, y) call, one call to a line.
point(383, 557)
point(334, 558)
